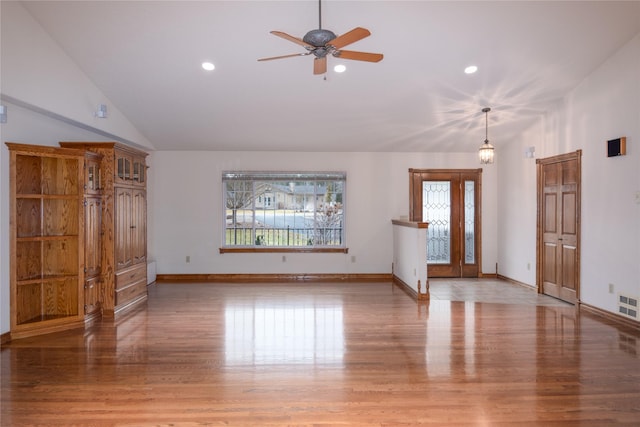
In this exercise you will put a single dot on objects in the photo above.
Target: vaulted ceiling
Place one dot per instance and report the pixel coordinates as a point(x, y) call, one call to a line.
point(146, 58)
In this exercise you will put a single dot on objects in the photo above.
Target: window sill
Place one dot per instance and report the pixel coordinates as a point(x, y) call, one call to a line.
point(227, 250)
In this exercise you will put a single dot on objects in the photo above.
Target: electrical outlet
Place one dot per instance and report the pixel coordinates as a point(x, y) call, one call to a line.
point(353, 258)
point(528, 266)
point(284, 258)
point(611, 288)
point(638, 197)
point(188, 259)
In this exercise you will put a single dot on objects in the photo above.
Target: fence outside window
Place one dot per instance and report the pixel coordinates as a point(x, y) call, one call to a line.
point(284, 210)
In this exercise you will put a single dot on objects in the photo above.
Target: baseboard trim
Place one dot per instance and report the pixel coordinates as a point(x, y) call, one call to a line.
point(418, 296)
point(270, 278)
point(5, 338)
point(613, 317)
point(516, 282)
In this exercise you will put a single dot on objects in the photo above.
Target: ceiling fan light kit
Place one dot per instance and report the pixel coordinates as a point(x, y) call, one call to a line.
point(322, 42)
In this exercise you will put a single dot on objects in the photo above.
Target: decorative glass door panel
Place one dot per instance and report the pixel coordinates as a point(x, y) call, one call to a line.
point(449, 201)
point(469, 222)
point(436, 210)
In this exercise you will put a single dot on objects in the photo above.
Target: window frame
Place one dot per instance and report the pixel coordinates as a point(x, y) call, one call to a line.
point(280, 177)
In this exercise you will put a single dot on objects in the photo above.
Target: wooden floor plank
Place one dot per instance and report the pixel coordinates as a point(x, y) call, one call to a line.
point(478, 353)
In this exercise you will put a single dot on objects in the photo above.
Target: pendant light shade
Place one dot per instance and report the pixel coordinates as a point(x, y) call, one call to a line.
point(486, 150)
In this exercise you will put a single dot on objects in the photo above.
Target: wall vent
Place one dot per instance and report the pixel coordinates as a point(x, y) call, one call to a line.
point(628, 306)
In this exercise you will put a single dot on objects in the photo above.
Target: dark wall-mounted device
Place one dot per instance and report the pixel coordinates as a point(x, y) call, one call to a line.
point(617, 147)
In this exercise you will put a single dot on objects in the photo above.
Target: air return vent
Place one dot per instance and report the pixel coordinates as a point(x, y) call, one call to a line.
point(628, 306)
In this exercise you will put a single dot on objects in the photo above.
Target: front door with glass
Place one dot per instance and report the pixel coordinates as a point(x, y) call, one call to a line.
point(449, 200)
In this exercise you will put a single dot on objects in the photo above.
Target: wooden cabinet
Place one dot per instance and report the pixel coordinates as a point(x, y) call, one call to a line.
point(139, 227)
point(93, 291)
point(47, 239)
point(124, 220)
point(123, 173)
point(93, 236)
point(131, 230)
point(130, 168)
point(93, 174)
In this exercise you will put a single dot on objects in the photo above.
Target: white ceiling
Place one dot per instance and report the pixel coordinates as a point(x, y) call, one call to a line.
point(145, 56)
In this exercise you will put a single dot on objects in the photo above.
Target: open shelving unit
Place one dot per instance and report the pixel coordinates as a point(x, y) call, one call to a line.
point(47, 229)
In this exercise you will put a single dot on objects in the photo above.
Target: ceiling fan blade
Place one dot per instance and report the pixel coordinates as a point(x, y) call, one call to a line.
point(292, 39)
point(320, 65)
point(358, 56)
point(352, 36)
point(284, 56)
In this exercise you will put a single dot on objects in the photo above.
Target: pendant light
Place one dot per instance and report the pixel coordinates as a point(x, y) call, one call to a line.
point(486, 150)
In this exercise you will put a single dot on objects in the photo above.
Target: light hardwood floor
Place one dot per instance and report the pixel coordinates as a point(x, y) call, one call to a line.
point(479, 353)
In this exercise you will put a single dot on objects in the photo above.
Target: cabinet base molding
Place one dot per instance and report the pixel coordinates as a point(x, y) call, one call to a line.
point(48, 329)
point(131, 305)
point(89, 319)
point(5, 338)
point(270, 278)
point(119, 312)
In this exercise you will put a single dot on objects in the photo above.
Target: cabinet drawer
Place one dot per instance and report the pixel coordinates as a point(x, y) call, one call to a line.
point(131, 292)
point(126, 277)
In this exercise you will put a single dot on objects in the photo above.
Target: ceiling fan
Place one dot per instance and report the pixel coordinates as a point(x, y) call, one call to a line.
point(322, 42)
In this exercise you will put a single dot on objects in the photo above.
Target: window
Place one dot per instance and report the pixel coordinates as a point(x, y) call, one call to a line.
point(283, 211)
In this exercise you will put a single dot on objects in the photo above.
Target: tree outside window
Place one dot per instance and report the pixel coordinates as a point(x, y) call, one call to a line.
point(284, 210)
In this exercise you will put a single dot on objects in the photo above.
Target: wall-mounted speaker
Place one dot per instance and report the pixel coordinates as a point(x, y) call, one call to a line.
point(617, 147)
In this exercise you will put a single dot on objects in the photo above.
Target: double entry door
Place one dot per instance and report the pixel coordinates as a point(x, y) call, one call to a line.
point(559, 182)
point(449, 200)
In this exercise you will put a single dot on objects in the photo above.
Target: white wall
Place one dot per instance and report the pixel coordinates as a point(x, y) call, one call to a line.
point(187, 209)
point(604, 106)
point(38, 73)
point(409, 255)
point(517, 208)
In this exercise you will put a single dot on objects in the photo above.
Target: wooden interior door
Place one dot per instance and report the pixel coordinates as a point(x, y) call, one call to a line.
point(449, 200)
point(559, 180)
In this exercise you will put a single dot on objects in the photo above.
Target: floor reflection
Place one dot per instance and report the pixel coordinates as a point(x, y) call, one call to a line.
point(330, 354)
point(300, 331)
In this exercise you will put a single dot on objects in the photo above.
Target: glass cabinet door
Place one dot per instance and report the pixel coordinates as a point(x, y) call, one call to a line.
point(123, 168)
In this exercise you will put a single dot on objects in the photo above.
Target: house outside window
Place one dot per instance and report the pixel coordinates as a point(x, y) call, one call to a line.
point(280, 211)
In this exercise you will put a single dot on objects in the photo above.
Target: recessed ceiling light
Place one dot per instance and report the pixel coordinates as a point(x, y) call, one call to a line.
point(208, 66)
point(339, 68)
point(471, 69)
